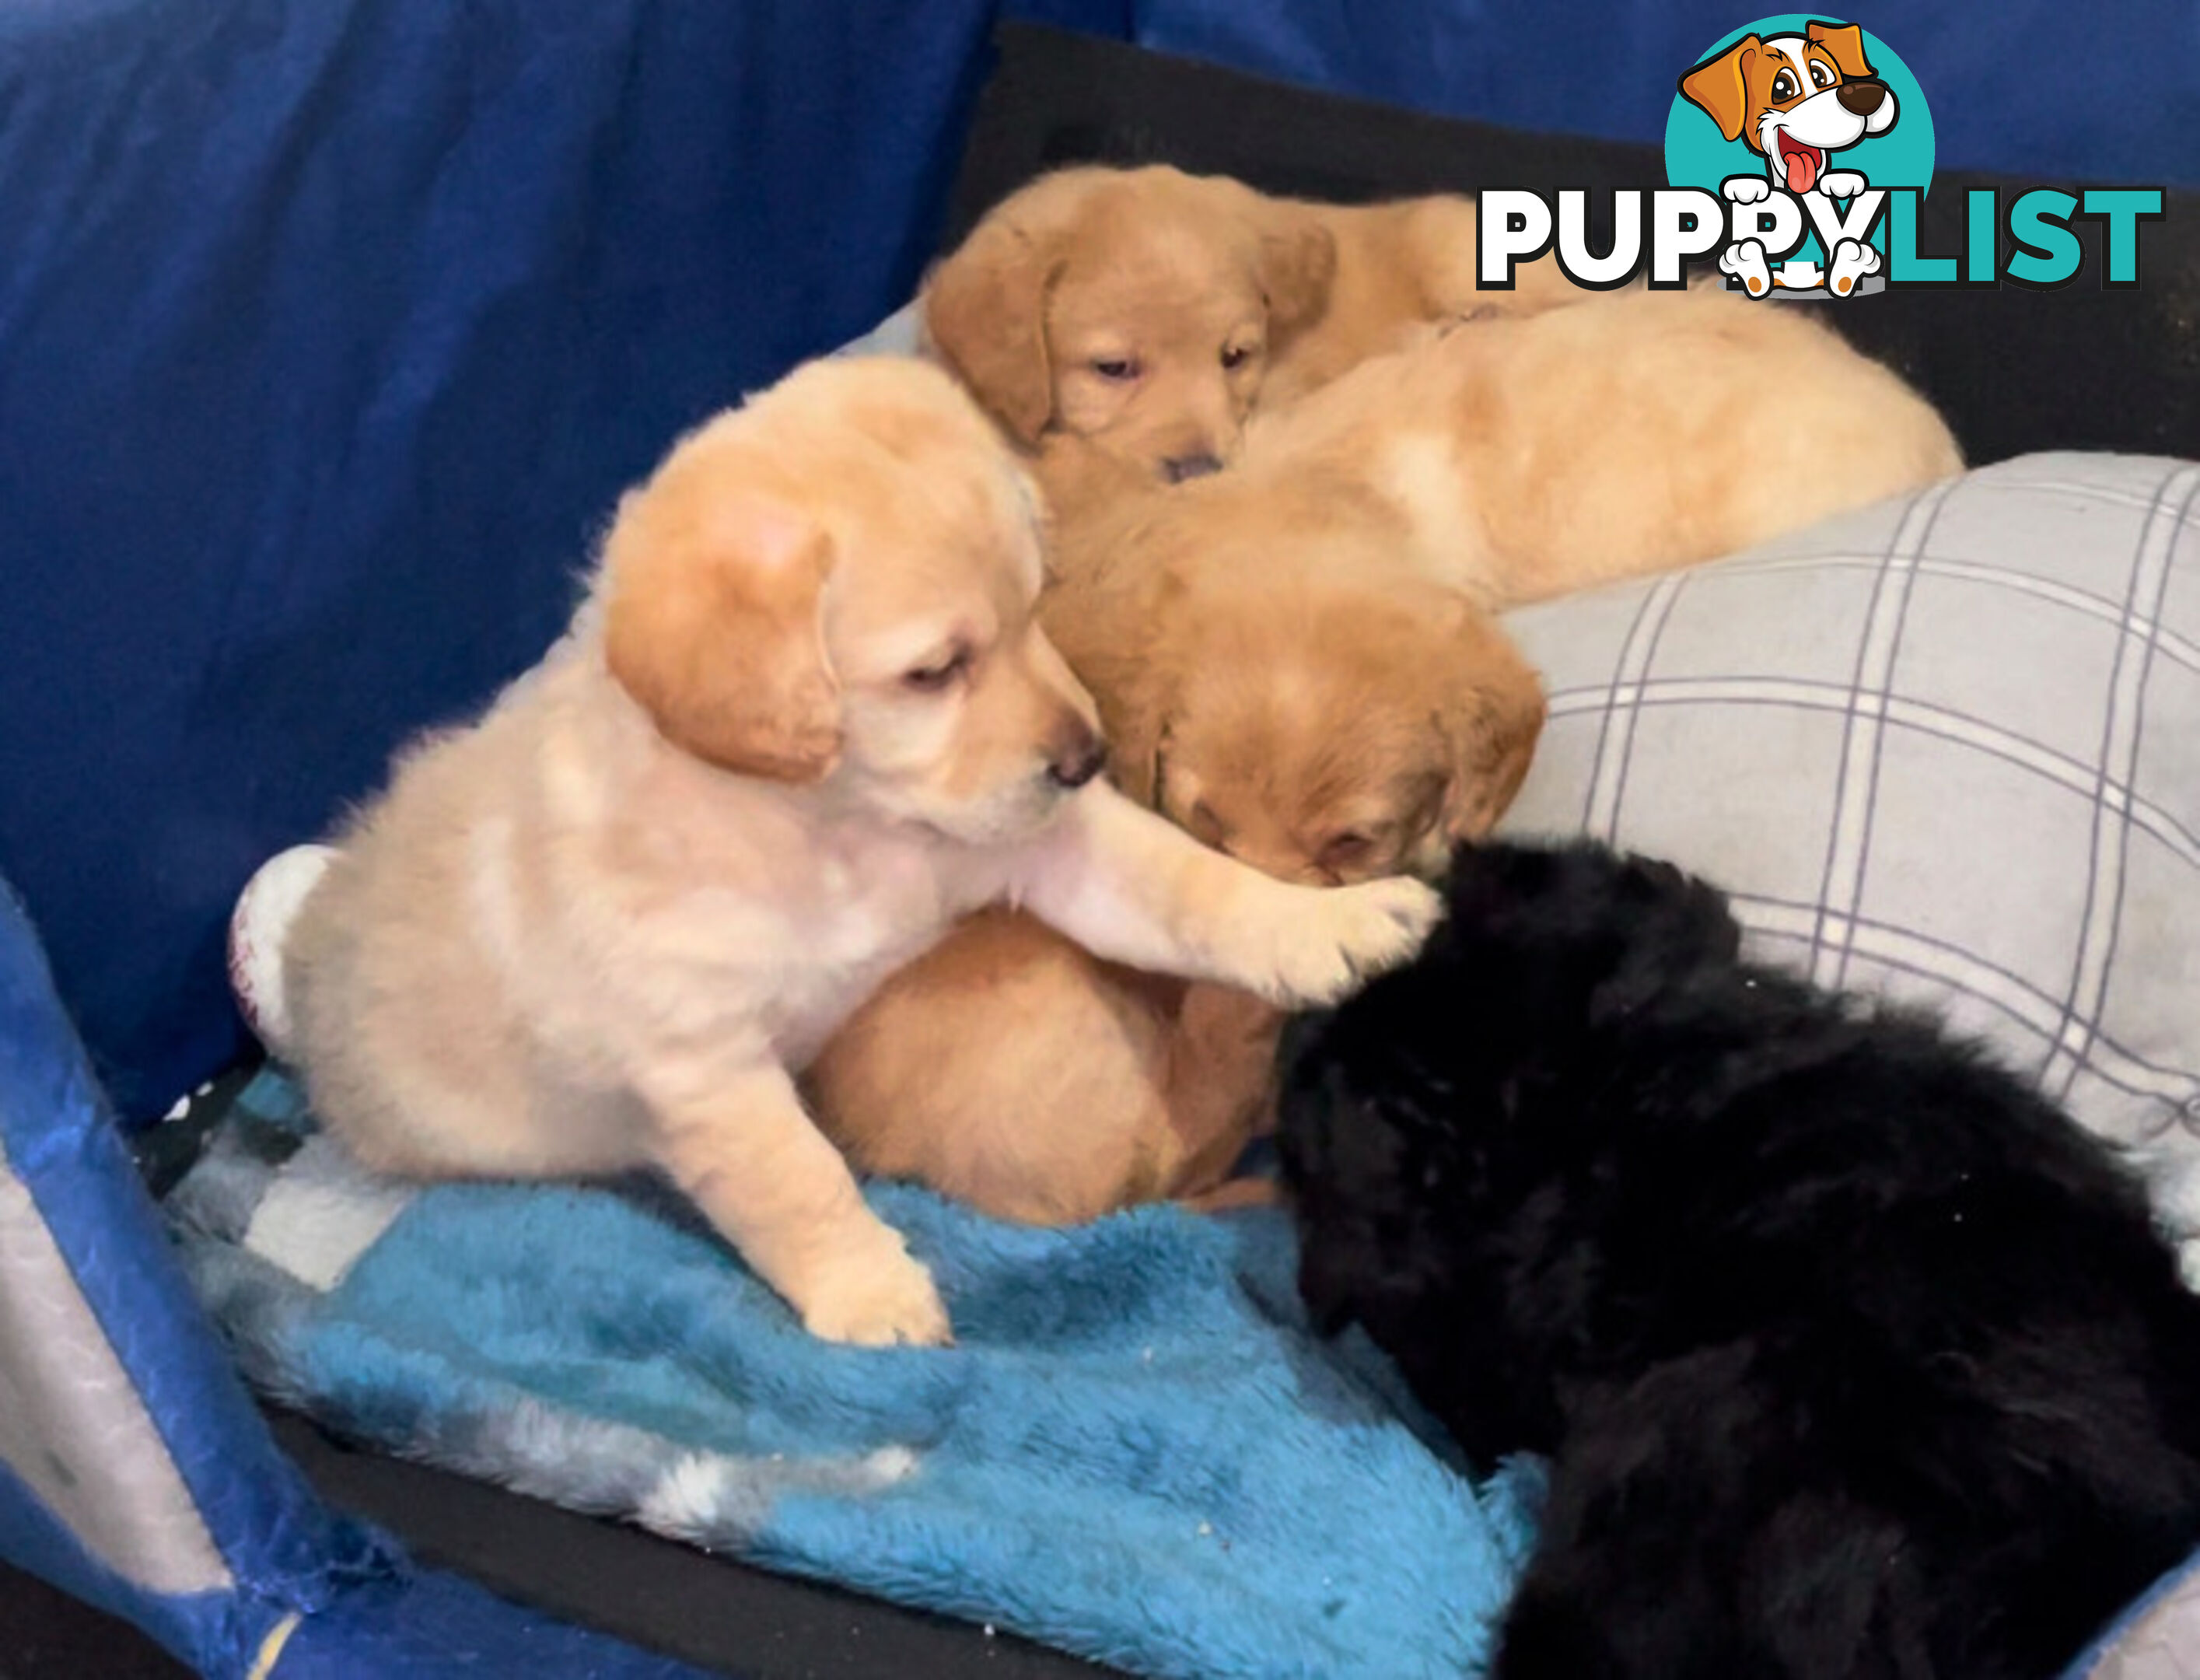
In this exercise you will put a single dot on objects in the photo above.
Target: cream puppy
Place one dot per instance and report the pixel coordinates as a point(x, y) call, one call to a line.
point(804, 721)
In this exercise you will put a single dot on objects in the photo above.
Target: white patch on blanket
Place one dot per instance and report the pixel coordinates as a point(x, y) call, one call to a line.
point(706, 1493)
point(322, 1212)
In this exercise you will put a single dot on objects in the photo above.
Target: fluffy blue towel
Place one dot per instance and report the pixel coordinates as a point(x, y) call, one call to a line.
point(1135, 1451)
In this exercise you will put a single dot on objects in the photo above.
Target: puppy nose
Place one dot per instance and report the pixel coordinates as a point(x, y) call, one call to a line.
point(1078, 762)
point(1177, 468)
point(1862, 96)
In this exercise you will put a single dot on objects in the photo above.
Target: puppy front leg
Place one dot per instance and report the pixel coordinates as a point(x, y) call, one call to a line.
point(743, 1149)
point(1128, 886)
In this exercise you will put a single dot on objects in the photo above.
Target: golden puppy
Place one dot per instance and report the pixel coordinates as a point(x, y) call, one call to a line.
point(1306, 704)
point(1018, 1073)
point(805, 722)
point(1523, 458)
point(1149, 310)
point(1314, 709)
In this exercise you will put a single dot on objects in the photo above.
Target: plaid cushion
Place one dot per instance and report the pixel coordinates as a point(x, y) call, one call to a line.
point(1945, 749)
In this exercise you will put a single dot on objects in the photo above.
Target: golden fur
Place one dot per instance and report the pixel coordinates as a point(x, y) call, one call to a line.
point(1317, 710)
point(1523, 458)
point(805, 721)
point(1018, 1073)
point(1151, 311)
point(1292, 659)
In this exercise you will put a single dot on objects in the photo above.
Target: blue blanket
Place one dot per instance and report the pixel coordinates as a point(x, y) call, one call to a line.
point(1136, 1451)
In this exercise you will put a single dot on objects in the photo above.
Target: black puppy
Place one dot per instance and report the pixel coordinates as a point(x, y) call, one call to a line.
point(1854, 1356)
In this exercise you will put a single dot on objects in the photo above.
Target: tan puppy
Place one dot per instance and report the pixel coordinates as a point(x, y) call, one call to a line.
point(1317, 710)
point(1018, 1073)
point(1149, 310)
point(1523, 458)
point(804, 723)
point(1306, 702)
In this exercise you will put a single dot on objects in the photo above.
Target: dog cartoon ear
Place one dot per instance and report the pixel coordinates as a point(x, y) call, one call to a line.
point(985, 313)
point(1491, 721)
point(713, 624)
point(1297, 266)
point(1845, 41)
point(1720, 85)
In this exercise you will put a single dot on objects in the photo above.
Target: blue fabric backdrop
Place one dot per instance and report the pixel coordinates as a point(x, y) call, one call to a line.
point(2030, 87)
point(328, 331)
point(329, 328)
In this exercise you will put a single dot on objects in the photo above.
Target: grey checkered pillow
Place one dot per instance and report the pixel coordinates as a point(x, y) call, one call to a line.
point(1946, 748)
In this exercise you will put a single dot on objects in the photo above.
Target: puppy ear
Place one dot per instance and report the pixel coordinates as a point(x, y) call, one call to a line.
point(1721, 86)
point(715, 629)
point(1844, 41)
point(1675, 922)
point(1694, 914)
point(1298, 265)
point(1120, 642)
point(1492, 718)
point(1137, 737)
point(985, 316)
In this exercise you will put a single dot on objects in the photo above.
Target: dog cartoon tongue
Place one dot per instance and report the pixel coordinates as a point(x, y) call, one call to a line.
point(1803, 163)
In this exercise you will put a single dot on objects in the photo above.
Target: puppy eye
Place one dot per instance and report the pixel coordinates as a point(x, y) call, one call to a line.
point(932, 678)
point(1340, 850)
point(1783, 85)
point(1115, 367)
point(1235, 356)
point(1820, 76)
point(1206, 824)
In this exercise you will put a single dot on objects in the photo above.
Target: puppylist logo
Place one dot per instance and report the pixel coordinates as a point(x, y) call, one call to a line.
point(1805, 133)
point(1800, 149)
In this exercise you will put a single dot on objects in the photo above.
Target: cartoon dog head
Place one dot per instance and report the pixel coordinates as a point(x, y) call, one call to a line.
point(1794, 99)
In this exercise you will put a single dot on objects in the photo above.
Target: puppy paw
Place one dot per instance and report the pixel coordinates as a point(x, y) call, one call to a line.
point(1349, 935)
point(876, 1301)
point(1746, 189)
point(1841, 183)
point(1746, 261)
point(1853, 260)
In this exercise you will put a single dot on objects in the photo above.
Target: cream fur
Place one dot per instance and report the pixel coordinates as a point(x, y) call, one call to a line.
point(578, 936)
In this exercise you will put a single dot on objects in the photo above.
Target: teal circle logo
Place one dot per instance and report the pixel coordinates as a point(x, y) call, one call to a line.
point(1800, 103)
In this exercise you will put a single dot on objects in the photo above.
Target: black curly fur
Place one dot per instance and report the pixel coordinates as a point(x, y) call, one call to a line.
point(1854, 1356)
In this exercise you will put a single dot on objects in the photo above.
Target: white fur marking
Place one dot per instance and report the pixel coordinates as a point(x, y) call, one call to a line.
point(1422, 474)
